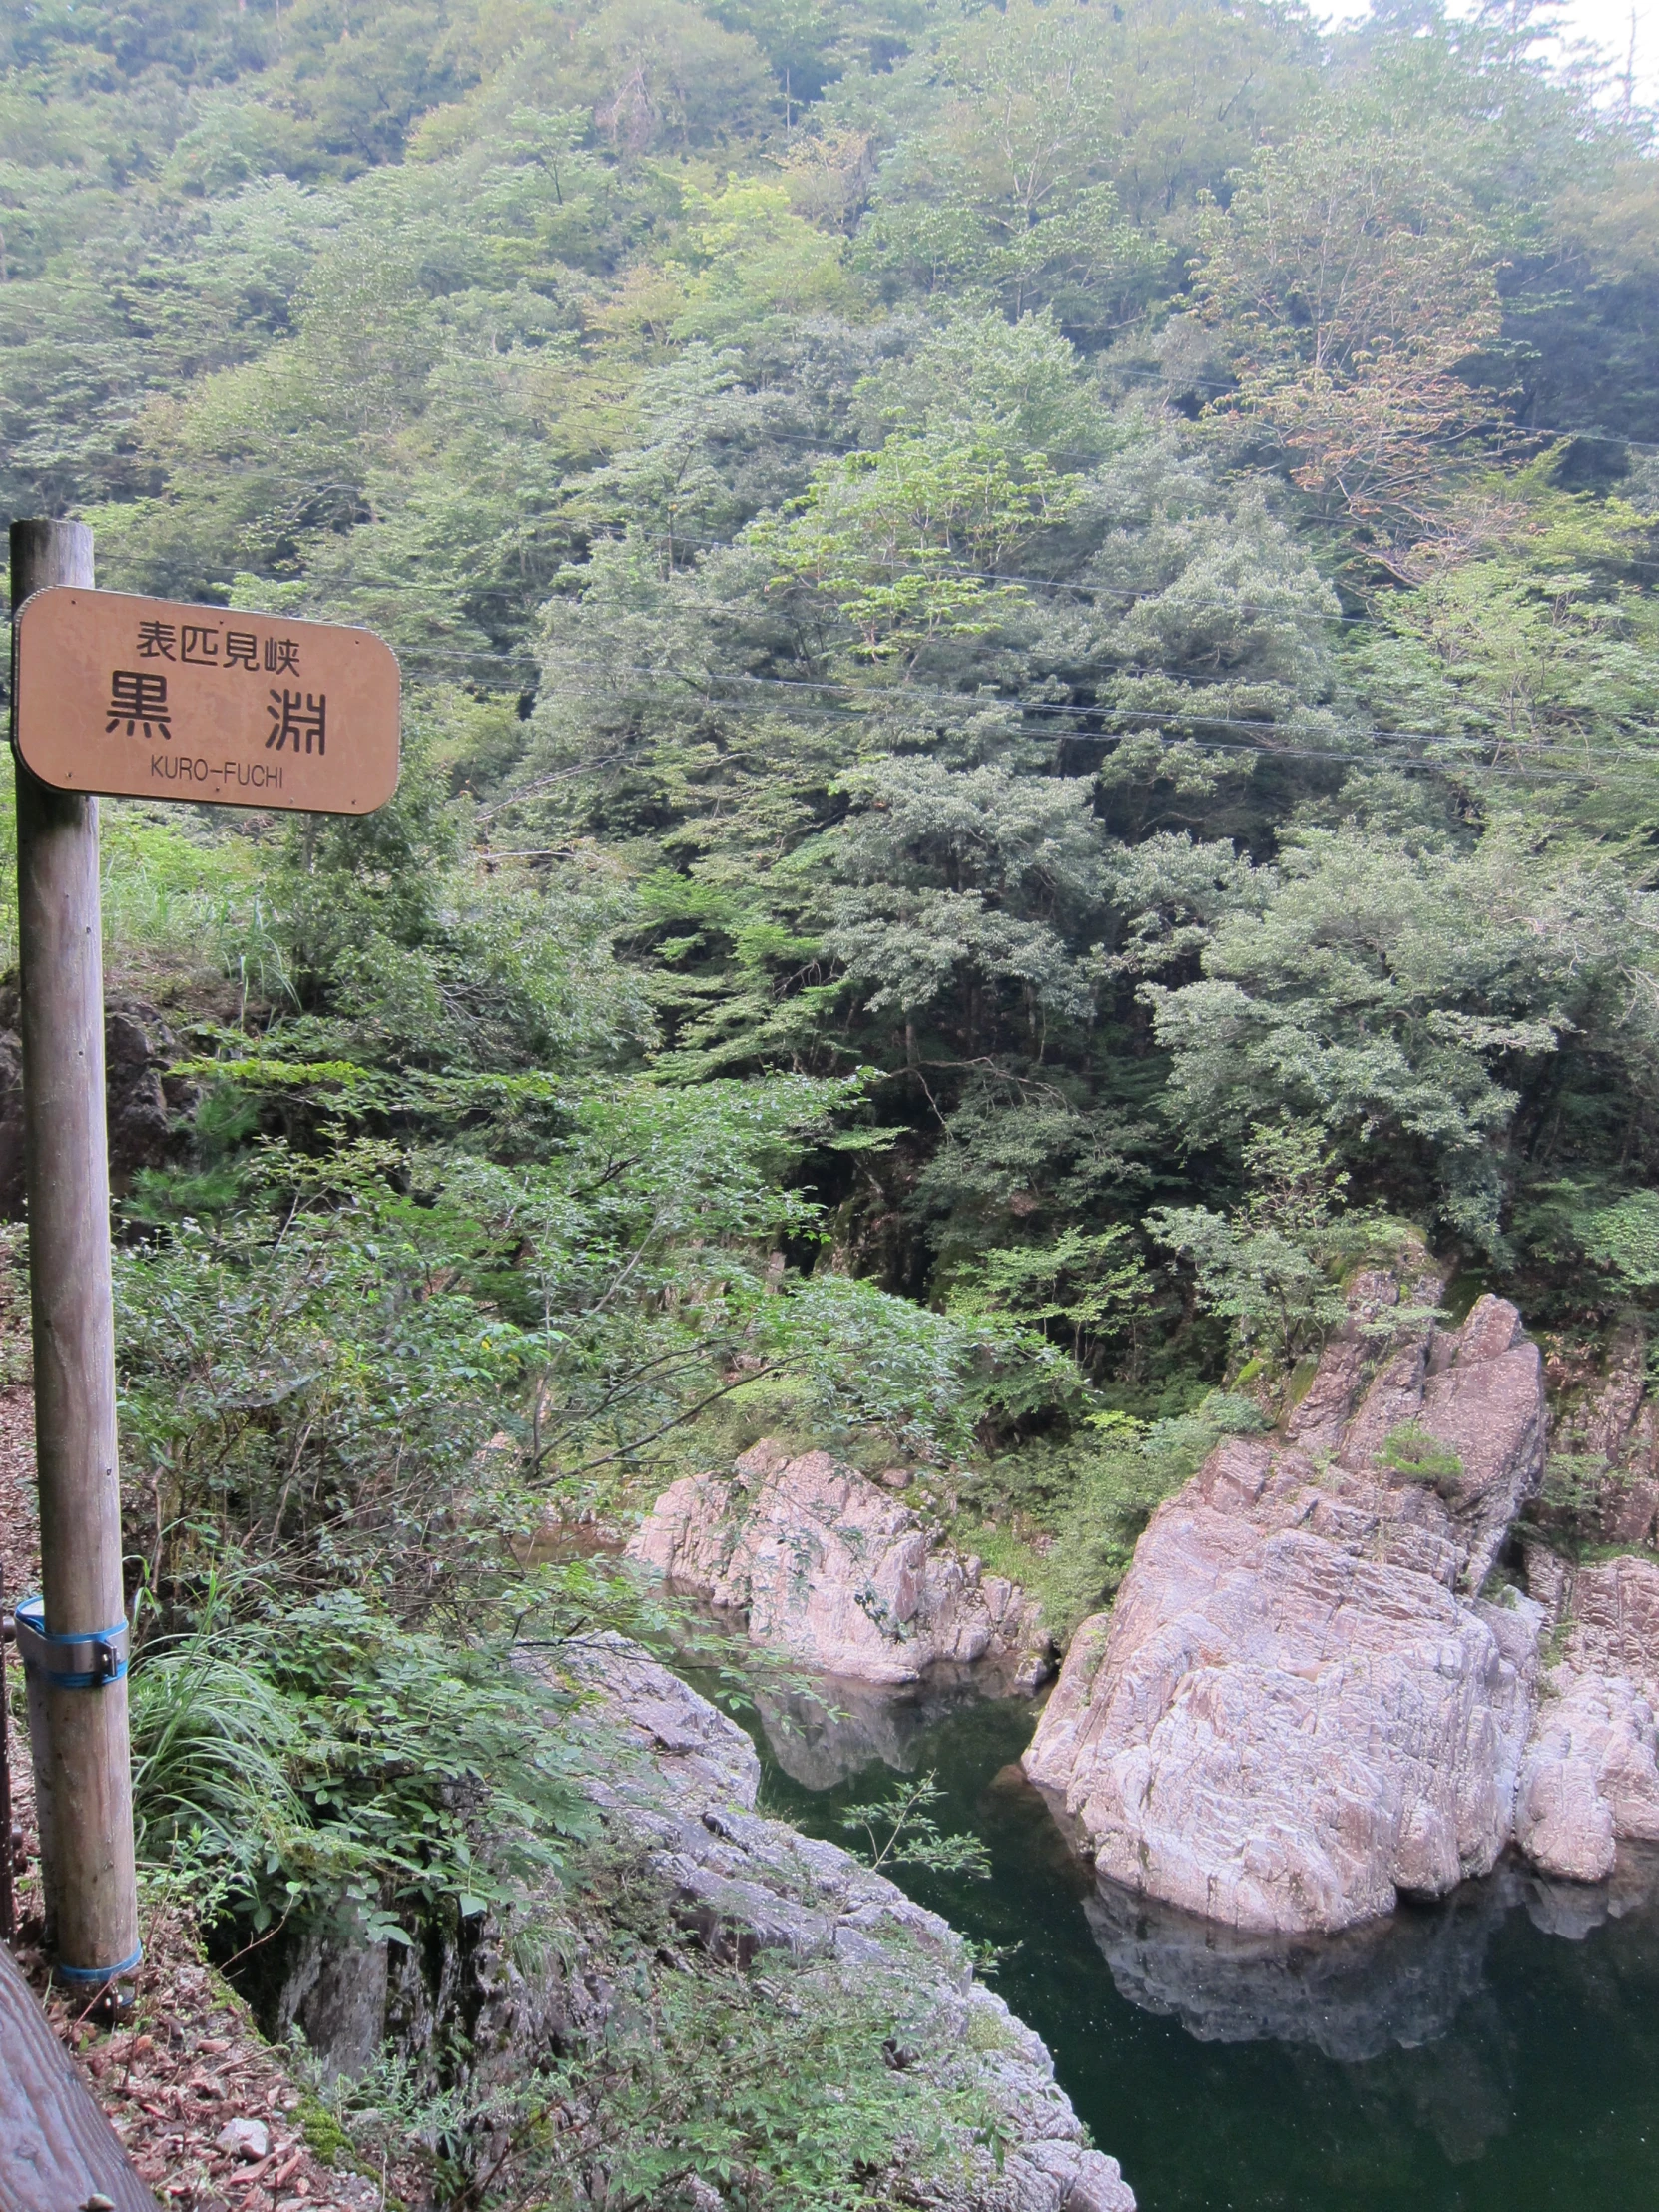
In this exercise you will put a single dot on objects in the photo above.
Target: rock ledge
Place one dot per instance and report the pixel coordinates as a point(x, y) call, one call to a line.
point(677, 1775)
point(1299, 1709)
point(837, 1571)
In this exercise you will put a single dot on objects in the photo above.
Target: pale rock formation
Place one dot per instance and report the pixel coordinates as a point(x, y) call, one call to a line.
point(1298, 1708)
point(678, 1779)
point(673, 1781)
point(1613, 1419)
point(1631, 1502)
point(837, 1571)
point(1591, 1776)
point(1591, 1781)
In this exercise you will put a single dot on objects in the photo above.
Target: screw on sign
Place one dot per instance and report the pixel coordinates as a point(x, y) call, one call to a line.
point(142, 697)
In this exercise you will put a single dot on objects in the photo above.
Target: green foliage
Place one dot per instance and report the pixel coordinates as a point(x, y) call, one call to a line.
point(335, 1353)
point(1578, 1494)
point(1401, 992)
point(1572, 1485)
point(1094, 1286)
point(896, 539)
point(320, 1760)
point(1355, 282)
point(899, 1830)
point(922, 1381)
point(1067, 1516)
point(1017, 757)
point(1266, 1266)
point(284, 1375)
point(391, 2107)
point(790, 2081)
point(213, 1745)
point(1007, 186)
point(1625, 1238)
point(919, 540)
point(1411, 1450)
point(1025, 134)
point(800, 2088)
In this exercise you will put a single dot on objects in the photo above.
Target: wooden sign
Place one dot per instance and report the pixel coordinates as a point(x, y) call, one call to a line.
point(148, 700)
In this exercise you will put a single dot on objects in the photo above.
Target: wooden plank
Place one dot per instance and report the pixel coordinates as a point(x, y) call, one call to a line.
point(56, 2147)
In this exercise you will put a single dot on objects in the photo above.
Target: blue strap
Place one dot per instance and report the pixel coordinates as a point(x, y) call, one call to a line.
point(99, 1973)
point(97, 1656)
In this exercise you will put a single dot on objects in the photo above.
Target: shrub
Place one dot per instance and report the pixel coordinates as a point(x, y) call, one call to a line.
point(318, 1758)
point(1411, 1450)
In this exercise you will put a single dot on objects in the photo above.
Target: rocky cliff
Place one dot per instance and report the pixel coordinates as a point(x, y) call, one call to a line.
point(1299, 1707)
point(752, 1884)
point(1590, 1781)
point(674, 1783)
point(1303, 1707)
point(837, 1571)
point(144, 1102)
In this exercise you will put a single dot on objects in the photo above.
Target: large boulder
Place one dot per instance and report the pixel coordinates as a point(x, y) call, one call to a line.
point(677, 1779)
point(837, 1571)
point(673, 1783)
point(143, 1103)
point(1591, 1776)
point(1299, 1706)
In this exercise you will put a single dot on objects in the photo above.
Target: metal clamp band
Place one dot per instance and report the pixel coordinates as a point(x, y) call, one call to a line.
point(86, 1662)
point(99, 1973)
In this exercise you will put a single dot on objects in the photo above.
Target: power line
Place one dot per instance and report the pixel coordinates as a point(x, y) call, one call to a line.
point(1031, 583)
point(523, 657)
point(967, 571)
point(1109, 372)
point(539, 591)
point(1091, 455)
point(971, 703)
point(1517, 772)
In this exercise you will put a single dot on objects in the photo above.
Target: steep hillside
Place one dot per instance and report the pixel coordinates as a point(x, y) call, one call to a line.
point(1029, 641)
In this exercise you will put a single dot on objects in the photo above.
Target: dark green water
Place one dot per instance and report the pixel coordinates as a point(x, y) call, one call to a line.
point(1496, 2053)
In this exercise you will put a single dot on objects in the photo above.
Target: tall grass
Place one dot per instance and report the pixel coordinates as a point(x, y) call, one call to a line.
point(213, 1746)
point(179, 892)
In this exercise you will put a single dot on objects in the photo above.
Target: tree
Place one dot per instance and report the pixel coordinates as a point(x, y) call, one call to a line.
point(1403, 993)
point(1008, 189)
point(1089, 1286)
point(1351, 283)
point(906, 542)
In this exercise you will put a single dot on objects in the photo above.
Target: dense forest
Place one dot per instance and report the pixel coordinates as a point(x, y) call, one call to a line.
point(1028, 643)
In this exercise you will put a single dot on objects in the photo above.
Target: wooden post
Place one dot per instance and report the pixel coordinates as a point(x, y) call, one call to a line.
point(77, 1734)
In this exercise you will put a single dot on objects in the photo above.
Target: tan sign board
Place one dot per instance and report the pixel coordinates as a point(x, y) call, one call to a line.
point(149, 700)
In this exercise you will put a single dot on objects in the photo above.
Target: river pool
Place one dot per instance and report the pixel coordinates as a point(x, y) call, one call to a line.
point(1496, 2053)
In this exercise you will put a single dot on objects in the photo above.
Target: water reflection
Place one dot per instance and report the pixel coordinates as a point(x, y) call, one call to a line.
point(1575, 1910)
point(1496, 2053)
point(1489, 2053)
point(823, 1736)
point(1397, 1983)
point(1378, 1999)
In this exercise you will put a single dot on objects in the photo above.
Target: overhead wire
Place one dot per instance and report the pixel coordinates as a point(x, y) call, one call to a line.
point(1076, 709)
point(1164, 594)
point(1111, 372)
point(1517, 770)
point(1184, 719)
point(1030, 583)
point(1076, 584)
